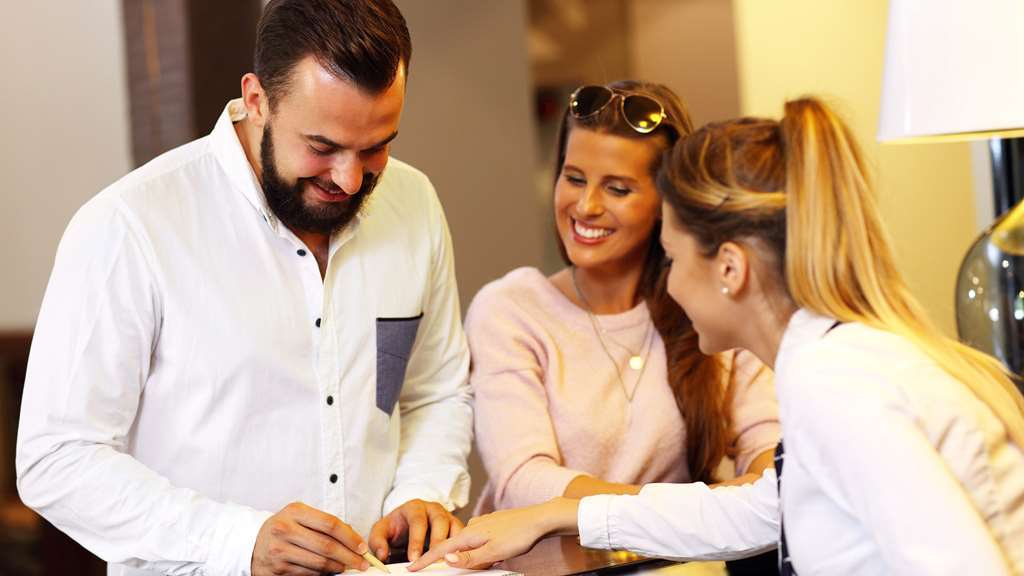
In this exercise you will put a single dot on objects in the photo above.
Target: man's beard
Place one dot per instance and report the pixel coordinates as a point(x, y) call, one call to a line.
point(285, 200)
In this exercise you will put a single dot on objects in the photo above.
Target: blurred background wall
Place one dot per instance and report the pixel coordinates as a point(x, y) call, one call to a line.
point(97, 87)
point(468, 123)
point(64, 113)
point(787, 48)
point(690, 46)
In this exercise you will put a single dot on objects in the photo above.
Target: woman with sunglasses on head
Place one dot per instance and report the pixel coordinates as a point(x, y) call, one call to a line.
point(590, 381)
point(903, 448)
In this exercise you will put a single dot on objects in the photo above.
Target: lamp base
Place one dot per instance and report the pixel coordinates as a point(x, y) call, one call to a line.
point(990, 291)
point(990, 284)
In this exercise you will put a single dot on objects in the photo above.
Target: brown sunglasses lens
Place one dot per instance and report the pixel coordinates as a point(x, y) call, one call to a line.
point(644, 114)
point(589, 100)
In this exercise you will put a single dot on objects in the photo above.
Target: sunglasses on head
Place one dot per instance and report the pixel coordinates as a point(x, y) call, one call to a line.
point(641, 112)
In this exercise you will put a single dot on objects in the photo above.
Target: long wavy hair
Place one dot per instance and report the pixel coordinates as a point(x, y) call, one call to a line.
point(695, 379)
point(801, 186)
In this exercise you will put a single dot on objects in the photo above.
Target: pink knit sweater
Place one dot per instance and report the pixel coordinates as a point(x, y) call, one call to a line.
point(549, 406)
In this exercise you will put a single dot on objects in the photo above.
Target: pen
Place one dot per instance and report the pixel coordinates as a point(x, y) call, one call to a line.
point(374, 562)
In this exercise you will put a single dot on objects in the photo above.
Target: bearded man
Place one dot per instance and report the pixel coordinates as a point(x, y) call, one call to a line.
point(249, 357)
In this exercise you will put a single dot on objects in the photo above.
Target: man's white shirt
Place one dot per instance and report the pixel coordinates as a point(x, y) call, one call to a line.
point(192, 373)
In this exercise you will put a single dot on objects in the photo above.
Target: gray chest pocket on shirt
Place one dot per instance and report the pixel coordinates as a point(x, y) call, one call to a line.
point(395, 337)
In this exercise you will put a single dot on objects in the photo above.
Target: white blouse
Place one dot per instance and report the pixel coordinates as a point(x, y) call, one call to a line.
point(892, 467)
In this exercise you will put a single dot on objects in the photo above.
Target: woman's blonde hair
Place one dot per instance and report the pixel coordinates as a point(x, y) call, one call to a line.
point(801, 186)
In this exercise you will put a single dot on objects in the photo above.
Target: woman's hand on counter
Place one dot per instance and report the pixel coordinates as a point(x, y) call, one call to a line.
point(502, 535)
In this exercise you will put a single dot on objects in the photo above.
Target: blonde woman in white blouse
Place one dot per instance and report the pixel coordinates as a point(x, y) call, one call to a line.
point(902, 447)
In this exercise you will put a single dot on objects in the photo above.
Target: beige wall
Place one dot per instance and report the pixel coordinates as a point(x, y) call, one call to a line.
point(64, 113)
point(689, 46)
point(468, 125)
point(787, 48)
point(578, 41)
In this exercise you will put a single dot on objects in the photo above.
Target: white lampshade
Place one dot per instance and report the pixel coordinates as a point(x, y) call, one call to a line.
point(954, 69)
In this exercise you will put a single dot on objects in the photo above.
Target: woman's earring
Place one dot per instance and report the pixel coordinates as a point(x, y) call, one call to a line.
point(725, 290)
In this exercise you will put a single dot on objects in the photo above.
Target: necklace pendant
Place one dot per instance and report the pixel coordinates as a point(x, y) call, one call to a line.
point(636, 362)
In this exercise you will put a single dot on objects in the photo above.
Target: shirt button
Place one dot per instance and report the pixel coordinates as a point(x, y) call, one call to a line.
point(330, 400)
point(334, 478)
point(301, 252)
point(317, 322)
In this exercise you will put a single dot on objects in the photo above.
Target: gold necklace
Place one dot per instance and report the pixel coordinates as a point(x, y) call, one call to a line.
point(636, 362)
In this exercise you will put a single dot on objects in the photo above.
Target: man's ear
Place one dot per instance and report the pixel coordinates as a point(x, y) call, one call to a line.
point(733, 267)
point(254, 97)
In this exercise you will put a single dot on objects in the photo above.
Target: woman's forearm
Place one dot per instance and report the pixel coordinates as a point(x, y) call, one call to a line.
point(589, 486)
point(764, 461)
point(559, 515)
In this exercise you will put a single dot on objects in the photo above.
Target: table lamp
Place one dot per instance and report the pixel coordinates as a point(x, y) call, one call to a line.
point(954, 70)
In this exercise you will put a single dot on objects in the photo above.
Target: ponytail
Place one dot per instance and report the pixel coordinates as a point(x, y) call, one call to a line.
point(728, 180)
point(841, 264)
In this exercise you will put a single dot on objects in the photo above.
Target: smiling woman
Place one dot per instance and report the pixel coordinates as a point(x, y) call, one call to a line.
point(603, 213)
point(590, 381)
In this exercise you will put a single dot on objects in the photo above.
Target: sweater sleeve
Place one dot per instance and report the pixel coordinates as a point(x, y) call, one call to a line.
point(514, 430)
point(755, 411)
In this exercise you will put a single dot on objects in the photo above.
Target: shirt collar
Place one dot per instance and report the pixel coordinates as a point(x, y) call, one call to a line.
point(231, 156)
point(804, 327)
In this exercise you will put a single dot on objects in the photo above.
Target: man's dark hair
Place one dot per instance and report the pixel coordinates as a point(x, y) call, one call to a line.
point(362, 41)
